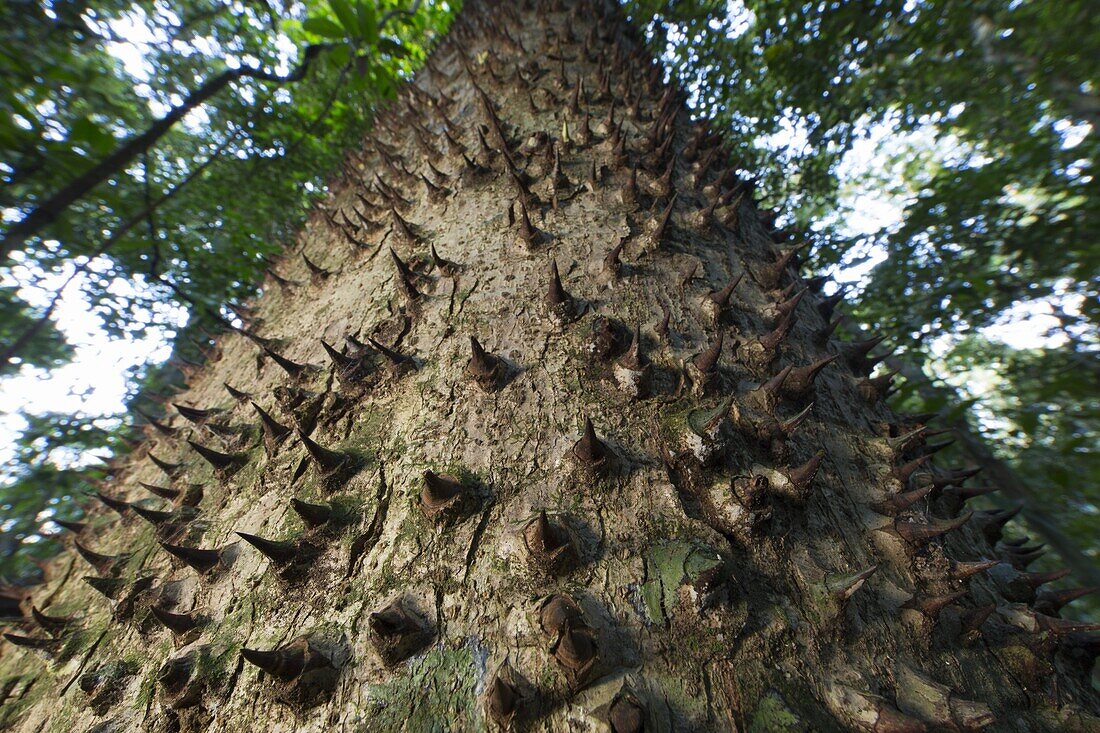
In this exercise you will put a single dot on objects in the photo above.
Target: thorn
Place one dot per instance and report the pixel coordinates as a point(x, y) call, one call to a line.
point(280, 553)
point(964, 494)
point(705, 422)
point(844, 587)
point(156, 424)
point(74, 527)
point(612, 262)
point(825, 333)
point(662, 222)
point(918, 533)
point(327, 461)
point(104, 564)
point(556, 611)
point(590, 450)
point(53, 625)
point(559, 302)
point(904, 471)
point(802, 476)
point(829, 304)
point(288, 662)
point(118, 506)
point(197, 558)
point(439, 492)
point(404, 229)
point(313, 515)
point(282, 281)
point(316, 272)
point(787, 306)
point(193, 414)
point(626, 715)
point(109, 587)
point(1050, 602)
point(393, 358)
point(634, 359)
point(174, 674)
point(993, 522)
point(394, 632)
point(502, 703)
point(548, 546)
point(527, 231)
point(161, 491)
point(801, 379)
point(931, 606)
point(973, 619)
point(152, 516)
point(406, 276)
point(340, 361)
point(899, 442)
point(1063, 627)
point(772, 387)
point(235, 393)
point(576, 649)
point(964, 570)
point(444, 266)
point(177, 623)
point(901, 501)
point(218, 460)
point(295, 370)
point(721, 298)
point(630, 191)
point(707, 361)
point(929, 449)
point(770, 341)
point(484, 367)
point(855, 353)
point(30, 642)
point(953, 478)
point(1034, 580)
point(274, 432)
point(790, 425)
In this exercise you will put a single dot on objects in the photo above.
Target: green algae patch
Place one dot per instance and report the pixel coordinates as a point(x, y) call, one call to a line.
point(773, 716)
point(670, 565)
point(436, 694)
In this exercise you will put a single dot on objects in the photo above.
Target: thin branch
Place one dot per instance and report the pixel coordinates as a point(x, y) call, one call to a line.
point(48, 211)
point(9, 352)
point(390, 15)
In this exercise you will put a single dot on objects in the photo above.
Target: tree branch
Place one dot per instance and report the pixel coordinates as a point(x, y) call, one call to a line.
point(11, 350)
point(48, 211)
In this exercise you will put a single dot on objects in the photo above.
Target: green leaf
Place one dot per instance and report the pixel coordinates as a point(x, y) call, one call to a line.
point(368, 21)
point(340, 56)
point(346, 15)
point(325, 27)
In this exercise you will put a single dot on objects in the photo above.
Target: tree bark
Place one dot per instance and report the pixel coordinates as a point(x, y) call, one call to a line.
point(607, 513)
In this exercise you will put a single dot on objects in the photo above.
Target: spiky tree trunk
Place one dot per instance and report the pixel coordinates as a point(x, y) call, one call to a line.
point(536, 427)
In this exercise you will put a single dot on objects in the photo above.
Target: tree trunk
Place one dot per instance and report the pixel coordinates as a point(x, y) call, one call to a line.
point(435, 535)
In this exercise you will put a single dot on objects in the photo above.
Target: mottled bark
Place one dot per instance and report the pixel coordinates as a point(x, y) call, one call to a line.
point(535, 428)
